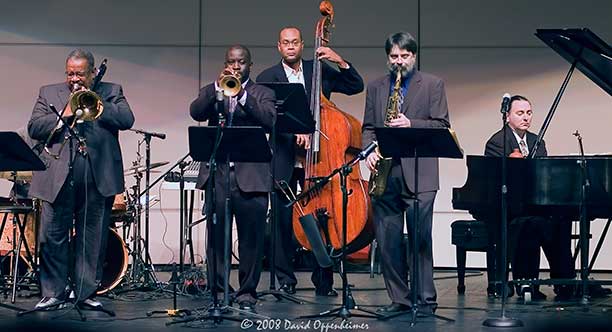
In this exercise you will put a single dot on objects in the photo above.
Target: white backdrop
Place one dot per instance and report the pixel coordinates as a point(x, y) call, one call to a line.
point(481, 49)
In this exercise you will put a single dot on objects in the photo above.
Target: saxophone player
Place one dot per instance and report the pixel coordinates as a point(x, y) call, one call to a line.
point(413, 99)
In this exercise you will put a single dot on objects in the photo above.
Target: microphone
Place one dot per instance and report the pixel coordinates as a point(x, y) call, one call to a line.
point(219, 99)
point(505, 106)
point(368, 149)
point(149, 133)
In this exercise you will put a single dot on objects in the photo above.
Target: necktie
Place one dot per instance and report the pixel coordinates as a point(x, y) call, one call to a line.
point(523, 147)
point(232, 107)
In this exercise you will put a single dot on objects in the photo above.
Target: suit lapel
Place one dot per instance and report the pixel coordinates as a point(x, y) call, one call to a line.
point(307, 68)
point(383, 96)
point(63, 94)
point(279, 73)
point(413, 89)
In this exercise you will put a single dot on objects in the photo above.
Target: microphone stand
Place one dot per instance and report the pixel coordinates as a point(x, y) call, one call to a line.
point(584, 223)
point(348, 302)
point(504, 321)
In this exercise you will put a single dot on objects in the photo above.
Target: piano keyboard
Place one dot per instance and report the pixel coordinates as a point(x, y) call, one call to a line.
point(190, 176)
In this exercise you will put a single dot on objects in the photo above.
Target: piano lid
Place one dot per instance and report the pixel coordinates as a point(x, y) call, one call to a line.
point(593, 55)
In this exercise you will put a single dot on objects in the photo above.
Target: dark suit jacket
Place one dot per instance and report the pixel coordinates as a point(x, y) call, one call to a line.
point(257, 111)
point(102, 140)
point(426, 107)
point(346, 81)
point(495, 147)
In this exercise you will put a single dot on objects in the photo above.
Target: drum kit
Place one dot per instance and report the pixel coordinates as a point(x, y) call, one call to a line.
point(19, 253)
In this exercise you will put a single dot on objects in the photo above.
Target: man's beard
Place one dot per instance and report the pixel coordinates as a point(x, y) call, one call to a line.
point(406, 69)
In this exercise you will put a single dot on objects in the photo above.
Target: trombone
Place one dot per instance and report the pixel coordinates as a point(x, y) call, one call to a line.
point(86, 105)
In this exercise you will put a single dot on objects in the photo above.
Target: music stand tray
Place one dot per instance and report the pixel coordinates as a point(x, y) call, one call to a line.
point(16, 155)
point(241, 144)
point(293, 114)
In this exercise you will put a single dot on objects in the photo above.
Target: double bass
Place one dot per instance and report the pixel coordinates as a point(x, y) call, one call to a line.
point(336, 140)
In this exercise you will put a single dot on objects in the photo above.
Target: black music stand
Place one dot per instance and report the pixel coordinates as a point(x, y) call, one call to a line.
point(293, 117)
point(16, 155)
point(209, 144)
point(417, 143)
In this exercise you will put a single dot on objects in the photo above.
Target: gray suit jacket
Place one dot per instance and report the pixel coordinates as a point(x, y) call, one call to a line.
point(258, 111)
point(102, 140)
point(426, 107)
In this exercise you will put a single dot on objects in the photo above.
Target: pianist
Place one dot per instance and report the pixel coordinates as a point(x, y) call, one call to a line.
point(530, 232)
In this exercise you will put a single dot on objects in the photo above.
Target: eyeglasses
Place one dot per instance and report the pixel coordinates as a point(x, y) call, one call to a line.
point(294, 43)
point(80, 74)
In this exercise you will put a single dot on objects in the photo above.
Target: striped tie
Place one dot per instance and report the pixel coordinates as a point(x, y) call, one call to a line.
point(523, 147)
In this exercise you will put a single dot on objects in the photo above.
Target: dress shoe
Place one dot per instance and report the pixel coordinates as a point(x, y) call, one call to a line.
point(536, 295)
point(92, 303)
point(428, 309)
point(393, 308)
point(247, 306)
point(48, 303)
point(288, 288)
point(330, 293)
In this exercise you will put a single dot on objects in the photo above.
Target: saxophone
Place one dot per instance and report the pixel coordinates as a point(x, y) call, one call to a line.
point(378, 177)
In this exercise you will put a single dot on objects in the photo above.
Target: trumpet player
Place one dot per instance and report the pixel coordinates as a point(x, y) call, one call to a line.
point(412, 99)
point(246, 104)
point(80, 191)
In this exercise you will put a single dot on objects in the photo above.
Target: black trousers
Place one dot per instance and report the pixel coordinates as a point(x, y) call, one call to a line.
point(250, 211)
point(322, 278)
point(389, 227)
point(553, 235)
point(77, 201)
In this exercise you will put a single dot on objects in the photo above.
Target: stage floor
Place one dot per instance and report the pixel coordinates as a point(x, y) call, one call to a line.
point(468, 311)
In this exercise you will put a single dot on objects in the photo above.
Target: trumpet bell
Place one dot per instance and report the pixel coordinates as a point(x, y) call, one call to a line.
point(230, 84)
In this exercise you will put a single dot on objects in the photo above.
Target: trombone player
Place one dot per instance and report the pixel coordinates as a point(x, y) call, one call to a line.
point(85, 194)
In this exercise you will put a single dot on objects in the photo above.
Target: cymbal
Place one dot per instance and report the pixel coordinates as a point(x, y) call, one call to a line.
point(21, 175)
point(142, 168)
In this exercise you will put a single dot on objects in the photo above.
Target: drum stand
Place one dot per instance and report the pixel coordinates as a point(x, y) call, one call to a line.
point(16, 210)
point(16, 156)
point(19, 224)
point(141, 275)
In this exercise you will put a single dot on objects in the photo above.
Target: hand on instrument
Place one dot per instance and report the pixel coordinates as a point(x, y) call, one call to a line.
point(229, 71)
point(329, 54)
point(303, 140)
point(401, 122)
point(371, 160)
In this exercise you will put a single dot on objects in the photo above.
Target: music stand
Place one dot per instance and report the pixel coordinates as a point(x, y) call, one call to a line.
point(16, 155)
point(293, 117)
point(238, 144)
point(417, 143)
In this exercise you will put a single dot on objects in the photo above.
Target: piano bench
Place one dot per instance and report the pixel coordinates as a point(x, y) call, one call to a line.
point(471, 235)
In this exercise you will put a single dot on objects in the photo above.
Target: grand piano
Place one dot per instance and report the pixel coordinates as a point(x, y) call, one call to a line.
point(550, 186)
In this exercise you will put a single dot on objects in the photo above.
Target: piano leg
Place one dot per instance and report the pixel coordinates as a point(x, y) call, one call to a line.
point(461, 258)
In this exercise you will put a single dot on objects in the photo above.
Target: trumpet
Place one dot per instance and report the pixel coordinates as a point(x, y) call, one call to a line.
point(230, 83)
point(86, 105)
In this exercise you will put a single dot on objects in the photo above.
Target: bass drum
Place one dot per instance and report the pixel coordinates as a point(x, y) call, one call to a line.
point(115, 263)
